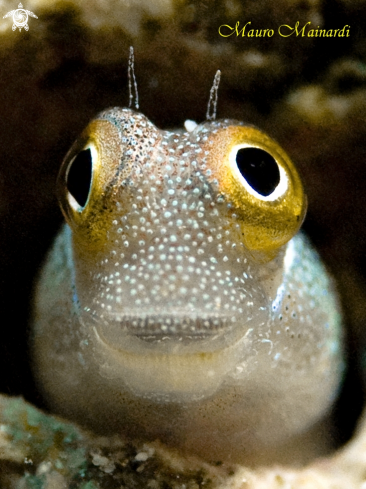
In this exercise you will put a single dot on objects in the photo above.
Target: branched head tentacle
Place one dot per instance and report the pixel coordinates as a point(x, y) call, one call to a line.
point(212, 102)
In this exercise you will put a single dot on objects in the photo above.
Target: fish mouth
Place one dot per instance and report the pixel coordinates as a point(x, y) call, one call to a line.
point(168, 333)
point(175, 327)
point(175, 367)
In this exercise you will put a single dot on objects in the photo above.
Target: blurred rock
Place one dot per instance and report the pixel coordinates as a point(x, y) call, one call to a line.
point(44, 452)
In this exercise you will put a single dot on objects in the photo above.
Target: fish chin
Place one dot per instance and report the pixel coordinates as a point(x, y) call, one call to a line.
point(169, 369)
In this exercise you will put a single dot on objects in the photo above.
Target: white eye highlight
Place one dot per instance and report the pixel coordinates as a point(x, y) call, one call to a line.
point(79, 177)
point(258, 171)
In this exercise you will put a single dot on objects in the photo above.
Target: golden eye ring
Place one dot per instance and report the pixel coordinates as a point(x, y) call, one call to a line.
point(267, 220)
point(85, 210)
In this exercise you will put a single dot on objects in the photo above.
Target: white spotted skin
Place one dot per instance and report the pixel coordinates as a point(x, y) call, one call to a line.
point(173, 331)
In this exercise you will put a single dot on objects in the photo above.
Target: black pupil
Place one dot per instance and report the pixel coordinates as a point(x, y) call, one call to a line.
point(259, 169)
point(79, 177)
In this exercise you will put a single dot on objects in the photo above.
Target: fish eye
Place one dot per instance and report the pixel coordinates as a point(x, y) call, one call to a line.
point(259, 170)
point(260, 185)
point(79, 176)
point(84, 180)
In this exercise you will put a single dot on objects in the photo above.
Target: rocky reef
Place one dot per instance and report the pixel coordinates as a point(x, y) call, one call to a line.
point(39, 451)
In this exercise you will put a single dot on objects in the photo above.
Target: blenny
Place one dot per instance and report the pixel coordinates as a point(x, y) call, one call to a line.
point(179, 302)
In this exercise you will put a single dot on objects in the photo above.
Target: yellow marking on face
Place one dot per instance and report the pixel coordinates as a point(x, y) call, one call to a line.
point(92, 220)
point(267, 222)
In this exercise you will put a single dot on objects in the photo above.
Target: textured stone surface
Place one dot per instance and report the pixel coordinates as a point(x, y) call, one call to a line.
point(44, 452)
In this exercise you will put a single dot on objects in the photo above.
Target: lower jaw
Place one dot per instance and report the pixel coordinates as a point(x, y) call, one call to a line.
point(174, 376)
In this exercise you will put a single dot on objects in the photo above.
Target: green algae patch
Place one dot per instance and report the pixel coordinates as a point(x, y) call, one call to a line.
point(90, 485)
point(40, 451)
point(44, 444)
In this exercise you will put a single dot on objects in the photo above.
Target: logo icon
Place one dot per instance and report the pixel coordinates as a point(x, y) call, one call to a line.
point(20, 17)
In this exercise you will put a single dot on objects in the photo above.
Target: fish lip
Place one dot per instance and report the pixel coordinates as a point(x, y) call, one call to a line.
point(214, 332)
point(175, 325)
point(175, 373)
